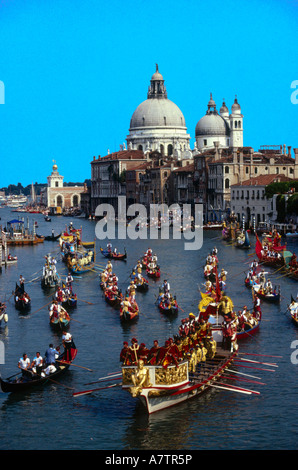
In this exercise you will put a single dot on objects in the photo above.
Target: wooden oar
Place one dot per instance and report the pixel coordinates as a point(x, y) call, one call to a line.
point(261, 355)
point(40, 309)
point(234, 388)
point(250, 367)
point(86, 392)
point(81, 300)
point(75, 365)
point(107, 379)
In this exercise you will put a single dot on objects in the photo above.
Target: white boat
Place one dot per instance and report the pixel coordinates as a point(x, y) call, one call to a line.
point(165, 388)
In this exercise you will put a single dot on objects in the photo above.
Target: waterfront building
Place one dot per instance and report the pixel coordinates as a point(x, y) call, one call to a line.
point(108, 176)
point(223, 167)
point(248, 200)
point(56, 196)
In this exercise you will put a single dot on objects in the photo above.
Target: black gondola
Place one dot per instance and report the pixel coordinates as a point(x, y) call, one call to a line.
point(22, 382)
point(21, 299)
point(52, 238)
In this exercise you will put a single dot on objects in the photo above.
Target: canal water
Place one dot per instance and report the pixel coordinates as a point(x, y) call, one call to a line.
point(49, 418)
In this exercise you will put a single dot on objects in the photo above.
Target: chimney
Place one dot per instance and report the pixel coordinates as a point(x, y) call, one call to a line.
point(251, 154)
point(289, 150)
point(284, 146)
point(296, 156)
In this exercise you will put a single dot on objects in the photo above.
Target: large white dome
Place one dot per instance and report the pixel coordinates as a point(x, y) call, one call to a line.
point(158, 123)
point(157, 113)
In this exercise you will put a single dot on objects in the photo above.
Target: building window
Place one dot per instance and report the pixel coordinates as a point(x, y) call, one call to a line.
point(205, 142)
point(56, 184)
point(227, 169)
point(227, 183)
point(170, 149)
point(239, 124)
point(256, 170)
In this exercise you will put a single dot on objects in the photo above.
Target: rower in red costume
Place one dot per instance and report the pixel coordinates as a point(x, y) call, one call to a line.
point(125, 354)
point(143, 352)
point(153, 353)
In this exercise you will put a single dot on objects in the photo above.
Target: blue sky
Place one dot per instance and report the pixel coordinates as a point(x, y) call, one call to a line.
point(75, 71)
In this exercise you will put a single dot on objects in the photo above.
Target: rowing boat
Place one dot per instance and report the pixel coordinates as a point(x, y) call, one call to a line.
point(163, 388)
point(130, 313)
point(153, 273)
point(21, 382)
point(112, 255)
point(22, 299)
point(273, 297)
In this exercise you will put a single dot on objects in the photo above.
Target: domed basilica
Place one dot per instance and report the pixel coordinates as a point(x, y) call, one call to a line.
point(158, 124)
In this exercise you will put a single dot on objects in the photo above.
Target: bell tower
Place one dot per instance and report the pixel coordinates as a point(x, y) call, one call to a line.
point(236, 125)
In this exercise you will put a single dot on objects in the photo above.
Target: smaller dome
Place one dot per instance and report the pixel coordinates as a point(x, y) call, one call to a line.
point(236, 106)
point(224, 108)
point(55, 167)
point(213, 125)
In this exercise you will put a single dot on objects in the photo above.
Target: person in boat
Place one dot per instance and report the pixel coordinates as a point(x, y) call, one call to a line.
point(67, 343)
point(132, 291)
point(125, 305)
point(223, 275)
point(37, 364)
point(109, 247)
point(54, 309)
point(24, 364)
point(109, 267)
point(22, 283)
point(124, 354)
point(50, 355)
point(262, 277)
point(254, 265)
point(166, 286)
point(257, 308)
point(268, 287)
point(143, 352)
point(152, 357)
point(69, 280)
